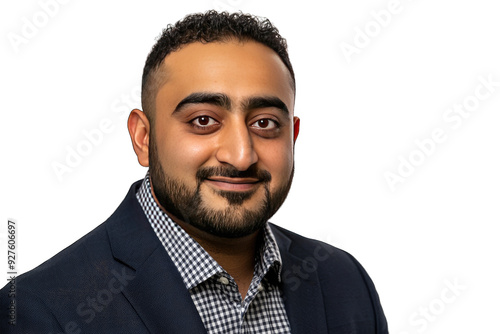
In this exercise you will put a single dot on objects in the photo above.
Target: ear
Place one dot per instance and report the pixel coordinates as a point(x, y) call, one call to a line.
point(296, 126)
point(139, 130)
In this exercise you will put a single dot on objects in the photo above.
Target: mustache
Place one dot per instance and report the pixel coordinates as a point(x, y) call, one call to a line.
point(230, 171)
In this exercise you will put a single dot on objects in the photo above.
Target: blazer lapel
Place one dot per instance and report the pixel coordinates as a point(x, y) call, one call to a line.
point(156, 291)
point(161, 299)
point(301, 287)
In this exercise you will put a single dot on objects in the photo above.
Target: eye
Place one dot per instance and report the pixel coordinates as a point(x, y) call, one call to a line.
point(265, 124)
point(203, 121)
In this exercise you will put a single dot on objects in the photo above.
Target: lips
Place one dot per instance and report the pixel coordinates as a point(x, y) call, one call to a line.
point(233, 183)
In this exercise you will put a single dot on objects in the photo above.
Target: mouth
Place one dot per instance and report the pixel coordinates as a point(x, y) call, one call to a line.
point(233, 183)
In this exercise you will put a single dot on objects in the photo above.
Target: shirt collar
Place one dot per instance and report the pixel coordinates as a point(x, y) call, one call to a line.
point(192, 261)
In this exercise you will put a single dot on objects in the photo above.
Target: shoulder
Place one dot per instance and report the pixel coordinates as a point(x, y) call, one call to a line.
point(53, 287)
point(347, 291)
point(70, 264)
point(329, 262)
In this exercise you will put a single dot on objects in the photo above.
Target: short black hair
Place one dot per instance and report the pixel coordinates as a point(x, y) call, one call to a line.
point(211, 26)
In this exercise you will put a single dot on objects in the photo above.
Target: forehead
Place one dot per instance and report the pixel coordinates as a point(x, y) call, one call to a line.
point(237, 69)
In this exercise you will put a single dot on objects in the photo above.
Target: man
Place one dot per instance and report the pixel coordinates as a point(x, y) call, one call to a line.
point(190, 249)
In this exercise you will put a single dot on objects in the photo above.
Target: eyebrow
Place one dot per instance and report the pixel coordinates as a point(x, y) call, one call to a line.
point(222, 100)
point(217, 99)
point(257, 102)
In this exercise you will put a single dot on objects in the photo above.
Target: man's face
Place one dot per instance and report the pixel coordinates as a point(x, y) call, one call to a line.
point(221, 150)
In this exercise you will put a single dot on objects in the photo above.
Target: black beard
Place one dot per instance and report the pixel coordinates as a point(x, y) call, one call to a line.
point(234, 221)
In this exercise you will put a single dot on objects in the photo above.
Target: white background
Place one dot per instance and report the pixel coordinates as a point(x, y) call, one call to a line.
point(84, 63)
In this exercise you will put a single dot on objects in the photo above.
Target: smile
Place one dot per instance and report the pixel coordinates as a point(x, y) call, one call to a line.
point(232, 183)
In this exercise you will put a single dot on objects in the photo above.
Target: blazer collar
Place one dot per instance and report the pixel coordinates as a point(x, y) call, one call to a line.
point(301, 287)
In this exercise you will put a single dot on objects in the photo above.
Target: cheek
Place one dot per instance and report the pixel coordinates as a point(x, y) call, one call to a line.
point(182, 156)
point(278, 160)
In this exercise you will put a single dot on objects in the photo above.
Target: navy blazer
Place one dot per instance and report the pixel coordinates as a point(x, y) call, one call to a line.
point(119, 279)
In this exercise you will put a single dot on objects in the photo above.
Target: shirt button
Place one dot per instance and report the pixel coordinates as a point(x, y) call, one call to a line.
point(260, 287)
point(224, 280)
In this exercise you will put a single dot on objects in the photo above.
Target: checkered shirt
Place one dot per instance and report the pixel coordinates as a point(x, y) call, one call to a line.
point(214, 292)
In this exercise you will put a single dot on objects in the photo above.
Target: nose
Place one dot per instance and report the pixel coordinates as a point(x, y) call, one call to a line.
point(236, 146)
